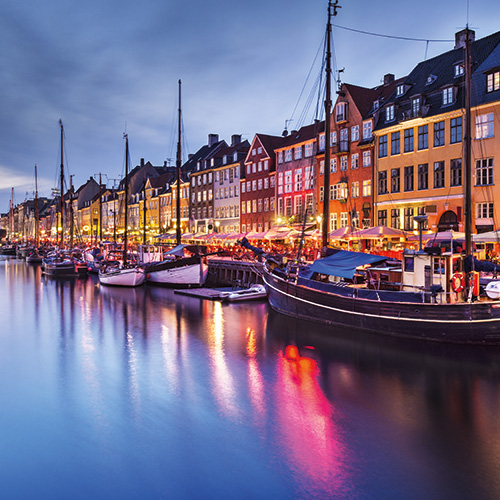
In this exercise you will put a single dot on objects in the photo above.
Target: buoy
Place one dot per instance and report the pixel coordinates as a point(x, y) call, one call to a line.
point(457, 282)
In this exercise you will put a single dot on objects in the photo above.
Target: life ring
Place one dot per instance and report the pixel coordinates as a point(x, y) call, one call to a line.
point(457, 282)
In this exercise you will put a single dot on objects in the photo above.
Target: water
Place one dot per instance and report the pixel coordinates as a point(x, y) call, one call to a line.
point(146, 394)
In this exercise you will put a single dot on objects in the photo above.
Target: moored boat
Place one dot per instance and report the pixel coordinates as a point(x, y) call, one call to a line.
point(255, 292)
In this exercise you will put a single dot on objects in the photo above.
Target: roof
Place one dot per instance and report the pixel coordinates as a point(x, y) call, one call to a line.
point(305, 133)
point(343, 263)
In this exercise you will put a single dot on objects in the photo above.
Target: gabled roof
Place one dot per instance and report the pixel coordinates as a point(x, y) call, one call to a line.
point(304, 134)
point(269, 143)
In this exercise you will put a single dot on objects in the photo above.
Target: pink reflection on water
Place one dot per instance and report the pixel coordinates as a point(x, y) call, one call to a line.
point(309, 434)
point(255, 379)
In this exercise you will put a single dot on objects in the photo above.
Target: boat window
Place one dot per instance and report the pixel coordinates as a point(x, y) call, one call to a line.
point(439, 265)
point(409, 263)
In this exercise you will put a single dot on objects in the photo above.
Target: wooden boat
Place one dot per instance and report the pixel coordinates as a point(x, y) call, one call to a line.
point(123, 273)
point(436, 298)
point(59, 266)
point(183, 266)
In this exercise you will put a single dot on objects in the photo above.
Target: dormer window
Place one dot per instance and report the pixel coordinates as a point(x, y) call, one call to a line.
point(493, 81)
point(376, 104)
point(415, 106)
point(389, 113)
point(459, 69)
point(447, 96)
point(235, 156)
point(400, 90)
point(431, 79)
point(224, 159)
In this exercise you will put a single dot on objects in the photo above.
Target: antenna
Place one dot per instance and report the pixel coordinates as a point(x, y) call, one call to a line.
point(339, 81)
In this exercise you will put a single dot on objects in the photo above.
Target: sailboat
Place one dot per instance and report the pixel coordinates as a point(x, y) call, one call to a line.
point(343, 289)
point(123, 273)
point(59, 264)
point(184, 265)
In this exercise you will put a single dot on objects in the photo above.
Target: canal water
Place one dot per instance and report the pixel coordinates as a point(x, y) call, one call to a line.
point(145, 394)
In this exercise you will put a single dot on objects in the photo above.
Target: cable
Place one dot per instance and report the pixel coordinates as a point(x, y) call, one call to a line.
point(391, 36)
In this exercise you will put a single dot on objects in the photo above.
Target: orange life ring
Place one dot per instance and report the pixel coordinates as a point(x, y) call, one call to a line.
point(457, 282)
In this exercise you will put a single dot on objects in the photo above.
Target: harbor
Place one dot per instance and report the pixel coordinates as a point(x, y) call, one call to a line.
point(146, 393)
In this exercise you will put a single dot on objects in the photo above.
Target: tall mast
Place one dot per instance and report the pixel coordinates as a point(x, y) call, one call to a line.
point(71, 217)
point(36, 208)
point(126, 202)
point(100, 207)
point(467, 148)
point(62, 185)
point(178, 168)
point(328, 109)
point(144, 215)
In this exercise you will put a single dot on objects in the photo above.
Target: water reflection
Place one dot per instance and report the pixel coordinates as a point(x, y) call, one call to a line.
point(156, 388)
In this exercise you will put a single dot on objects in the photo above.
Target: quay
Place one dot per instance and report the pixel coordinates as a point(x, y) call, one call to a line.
point(229, 272)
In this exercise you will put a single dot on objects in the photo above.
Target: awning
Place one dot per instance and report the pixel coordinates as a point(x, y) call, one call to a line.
point(343, 263)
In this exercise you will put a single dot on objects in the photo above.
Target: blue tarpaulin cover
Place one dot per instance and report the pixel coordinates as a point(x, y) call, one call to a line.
point(342, 264)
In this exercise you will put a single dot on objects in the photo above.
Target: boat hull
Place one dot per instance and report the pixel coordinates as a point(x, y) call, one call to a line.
point(59, 269)
point(122, 277)
point(465, 323)
point(187, 272)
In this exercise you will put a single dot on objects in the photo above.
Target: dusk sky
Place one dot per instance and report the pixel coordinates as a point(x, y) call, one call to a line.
point(104, 67)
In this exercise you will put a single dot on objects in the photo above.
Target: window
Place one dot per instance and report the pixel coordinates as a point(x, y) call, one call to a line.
point(298, 152)
point(280, 157)
point(395, 143)
point(344, 139)
point(382, 182)
point(367, 158)
point(423, 137)
point(408, 178)
point(408, 140)
point(367, 187)
point(355, 161)
point(298, 205)
point(456, 130)
point(344, 219)
point(439, 174)
point(355, 133)
point(423, 176)
point(367, 130)
point(493, 81)
point(389, 113)
point(447, 96)
point(259, 184)
point(395, 180)
point(341, 111)
point(333, 138)
point(459, 69)
point(321, 193)
point(309, 150)
point(333, 165)
point(484, 172)
point(288, 207)
point(484, 126)
point(322, 142)
point(408, 219)
point(355, 189)
point(484, 210)
point(456, 172)
point(288, 155)
point(288, 181)
point(415, 106)
point(400, 90)
point(439, 134)
point(298, 180)
point(333, 222)
point(382, 217)
point(382, 146)
point(343, 163)
point(395, 220)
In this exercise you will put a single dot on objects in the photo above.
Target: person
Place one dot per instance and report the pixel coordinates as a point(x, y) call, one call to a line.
point(488, 254)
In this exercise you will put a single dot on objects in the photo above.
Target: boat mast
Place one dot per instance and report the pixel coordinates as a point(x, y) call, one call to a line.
point(62, 186)
point(144, 214)
point(126, 202)
point(36, 209)
point(467, 148)
point(332, 10)
point(100, 207)
point(178, 168)
point(71, 218)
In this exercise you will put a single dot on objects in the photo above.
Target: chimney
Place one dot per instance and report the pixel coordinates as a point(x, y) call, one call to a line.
point(142, 162)
point(213, 139)
point(389, 78)
point(461, 36)
point(235, 139)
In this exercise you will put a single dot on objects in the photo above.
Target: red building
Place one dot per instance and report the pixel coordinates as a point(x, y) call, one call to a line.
point(257, 189)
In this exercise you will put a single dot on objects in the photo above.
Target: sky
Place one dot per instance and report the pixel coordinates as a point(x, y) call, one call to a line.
point(105, 67)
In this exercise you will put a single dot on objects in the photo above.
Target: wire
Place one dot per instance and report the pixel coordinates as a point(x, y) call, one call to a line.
point(391, 36)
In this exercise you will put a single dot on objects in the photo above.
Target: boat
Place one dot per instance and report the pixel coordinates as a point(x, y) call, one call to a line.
point(123, 272)
point(434, 294)
point(255, 292)
point(184, 265)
